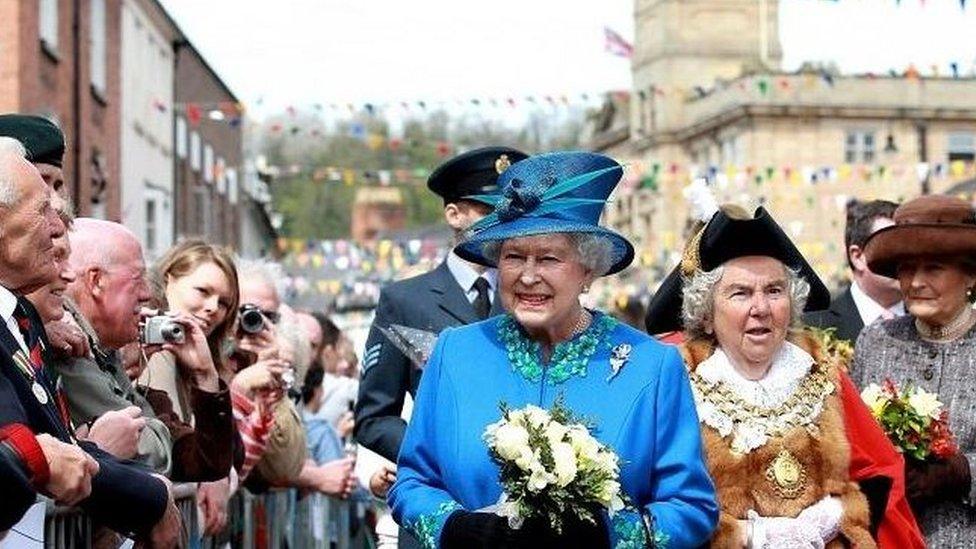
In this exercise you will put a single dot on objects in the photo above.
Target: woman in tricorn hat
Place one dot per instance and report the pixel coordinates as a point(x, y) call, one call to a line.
point(931, 250)
point(783, 427)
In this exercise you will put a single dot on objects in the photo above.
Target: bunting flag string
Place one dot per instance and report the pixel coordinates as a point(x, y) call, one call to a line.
point(899, 3)
point(767, 85)
point(651, 174)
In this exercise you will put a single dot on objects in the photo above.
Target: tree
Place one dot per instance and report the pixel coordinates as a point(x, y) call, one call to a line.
point(317, 207)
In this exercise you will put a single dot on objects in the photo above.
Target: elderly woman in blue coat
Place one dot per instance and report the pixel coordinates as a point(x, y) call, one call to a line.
point(545, 241)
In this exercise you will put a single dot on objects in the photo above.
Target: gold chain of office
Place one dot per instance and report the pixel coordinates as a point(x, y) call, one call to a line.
point(801, 409)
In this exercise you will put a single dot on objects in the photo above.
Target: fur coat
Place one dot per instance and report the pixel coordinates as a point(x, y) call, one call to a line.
point(794, 468)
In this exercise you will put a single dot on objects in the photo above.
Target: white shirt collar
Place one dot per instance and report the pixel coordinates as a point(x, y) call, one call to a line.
point(464, 273)
point(8, 304)
point(790, 365)
point(869, 309)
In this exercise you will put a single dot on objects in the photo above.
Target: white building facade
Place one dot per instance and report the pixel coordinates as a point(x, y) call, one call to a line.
point(147, 119)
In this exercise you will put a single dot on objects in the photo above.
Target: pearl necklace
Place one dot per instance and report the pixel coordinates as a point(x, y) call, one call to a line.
point(948, 332)
point(582, 323)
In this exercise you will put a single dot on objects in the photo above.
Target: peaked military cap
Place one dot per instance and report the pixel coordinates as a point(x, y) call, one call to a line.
point(473, 174)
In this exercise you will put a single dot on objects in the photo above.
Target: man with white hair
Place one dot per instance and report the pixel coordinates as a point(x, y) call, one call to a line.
point(106, 296)
point(258, 285)
point(33, 421)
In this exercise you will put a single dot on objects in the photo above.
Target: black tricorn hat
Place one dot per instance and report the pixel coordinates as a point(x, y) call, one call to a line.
point(473, 174)
point(722, 239)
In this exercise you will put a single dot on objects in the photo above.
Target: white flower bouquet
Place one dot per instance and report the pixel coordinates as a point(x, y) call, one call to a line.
point(552, 466)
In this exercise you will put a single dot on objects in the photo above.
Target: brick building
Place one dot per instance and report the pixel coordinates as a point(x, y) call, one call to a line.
point(209, 150)
point(155, 137)
point(376, 211)
point(60, 59)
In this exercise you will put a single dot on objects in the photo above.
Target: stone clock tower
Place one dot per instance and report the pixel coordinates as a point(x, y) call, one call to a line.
point(684, 44)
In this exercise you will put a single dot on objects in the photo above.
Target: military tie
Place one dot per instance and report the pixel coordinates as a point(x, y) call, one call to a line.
point(482, 303)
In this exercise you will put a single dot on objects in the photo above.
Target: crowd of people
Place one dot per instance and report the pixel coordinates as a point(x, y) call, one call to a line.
point(735, 423)
point(120, 379)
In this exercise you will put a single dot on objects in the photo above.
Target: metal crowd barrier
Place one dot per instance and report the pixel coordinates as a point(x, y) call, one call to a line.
point(280, 518)
point(66, 527)
point(283, 518)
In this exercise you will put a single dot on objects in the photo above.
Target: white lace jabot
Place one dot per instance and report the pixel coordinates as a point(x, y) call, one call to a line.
point(751, 429)
point(790, 365)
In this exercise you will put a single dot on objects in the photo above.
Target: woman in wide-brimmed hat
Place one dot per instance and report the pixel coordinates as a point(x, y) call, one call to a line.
point(786, 434)
point(547, 245)
point(931, 250)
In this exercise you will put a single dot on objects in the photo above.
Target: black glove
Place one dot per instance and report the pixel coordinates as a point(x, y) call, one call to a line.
point(467, 530)
point(928, 482)
point(575, 533)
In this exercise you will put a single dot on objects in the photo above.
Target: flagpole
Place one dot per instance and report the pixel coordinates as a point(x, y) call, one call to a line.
point(763, 31)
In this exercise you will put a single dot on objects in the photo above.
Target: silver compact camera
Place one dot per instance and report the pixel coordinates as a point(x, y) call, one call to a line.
point(156, 330)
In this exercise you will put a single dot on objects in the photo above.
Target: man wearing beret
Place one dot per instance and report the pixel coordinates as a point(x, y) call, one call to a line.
point(45, 146)
point(33, 415)
point(453, 294)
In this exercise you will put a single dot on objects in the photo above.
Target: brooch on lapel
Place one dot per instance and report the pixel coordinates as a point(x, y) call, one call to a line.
point(619, 356)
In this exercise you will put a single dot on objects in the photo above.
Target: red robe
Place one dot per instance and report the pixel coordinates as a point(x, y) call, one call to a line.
point(872, 455)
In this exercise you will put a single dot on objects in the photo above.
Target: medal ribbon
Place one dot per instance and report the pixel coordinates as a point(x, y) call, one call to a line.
point(33, 365)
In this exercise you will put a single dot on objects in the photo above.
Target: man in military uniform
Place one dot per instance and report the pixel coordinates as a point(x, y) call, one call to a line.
point(453, 294)
point(119, 494)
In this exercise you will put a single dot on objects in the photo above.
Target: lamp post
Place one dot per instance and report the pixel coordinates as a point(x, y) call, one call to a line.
point(923, 155)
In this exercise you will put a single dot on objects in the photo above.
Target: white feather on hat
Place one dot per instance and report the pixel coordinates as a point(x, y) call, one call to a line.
point(701, 200)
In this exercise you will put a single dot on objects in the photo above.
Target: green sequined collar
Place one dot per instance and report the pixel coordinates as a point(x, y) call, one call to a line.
point(569, 358)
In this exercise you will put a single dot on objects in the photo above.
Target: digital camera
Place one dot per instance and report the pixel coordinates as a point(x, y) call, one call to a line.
point(251, 319)
point(156, 330)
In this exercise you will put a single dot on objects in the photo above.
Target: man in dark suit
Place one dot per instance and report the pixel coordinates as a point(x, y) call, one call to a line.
point(870, 296)
point(453, 294)
point(122, 496)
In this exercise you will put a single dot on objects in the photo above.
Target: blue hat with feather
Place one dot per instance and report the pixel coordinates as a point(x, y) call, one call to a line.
point(559, 192)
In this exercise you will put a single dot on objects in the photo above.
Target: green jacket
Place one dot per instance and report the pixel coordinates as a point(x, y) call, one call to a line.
point(97, 383)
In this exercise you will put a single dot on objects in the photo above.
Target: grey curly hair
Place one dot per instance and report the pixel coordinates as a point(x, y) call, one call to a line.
point(698, 300)
point(595, 251)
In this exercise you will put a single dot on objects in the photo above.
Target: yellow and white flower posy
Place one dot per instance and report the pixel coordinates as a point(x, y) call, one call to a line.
point(550, 463)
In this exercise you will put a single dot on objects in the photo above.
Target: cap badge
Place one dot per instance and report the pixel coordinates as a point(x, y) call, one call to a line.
point(502, 163)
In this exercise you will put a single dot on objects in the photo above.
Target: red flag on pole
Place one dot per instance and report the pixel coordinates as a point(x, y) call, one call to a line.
point(615, 44)
point(193, 114)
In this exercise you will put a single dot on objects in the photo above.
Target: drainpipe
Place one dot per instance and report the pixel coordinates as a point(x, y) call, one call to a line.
point(178, 44)
point(81, 83)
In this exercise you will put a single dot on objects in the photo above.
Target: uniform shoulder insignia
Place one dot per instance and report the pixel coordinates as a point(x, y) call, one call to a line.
point(372, 356)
